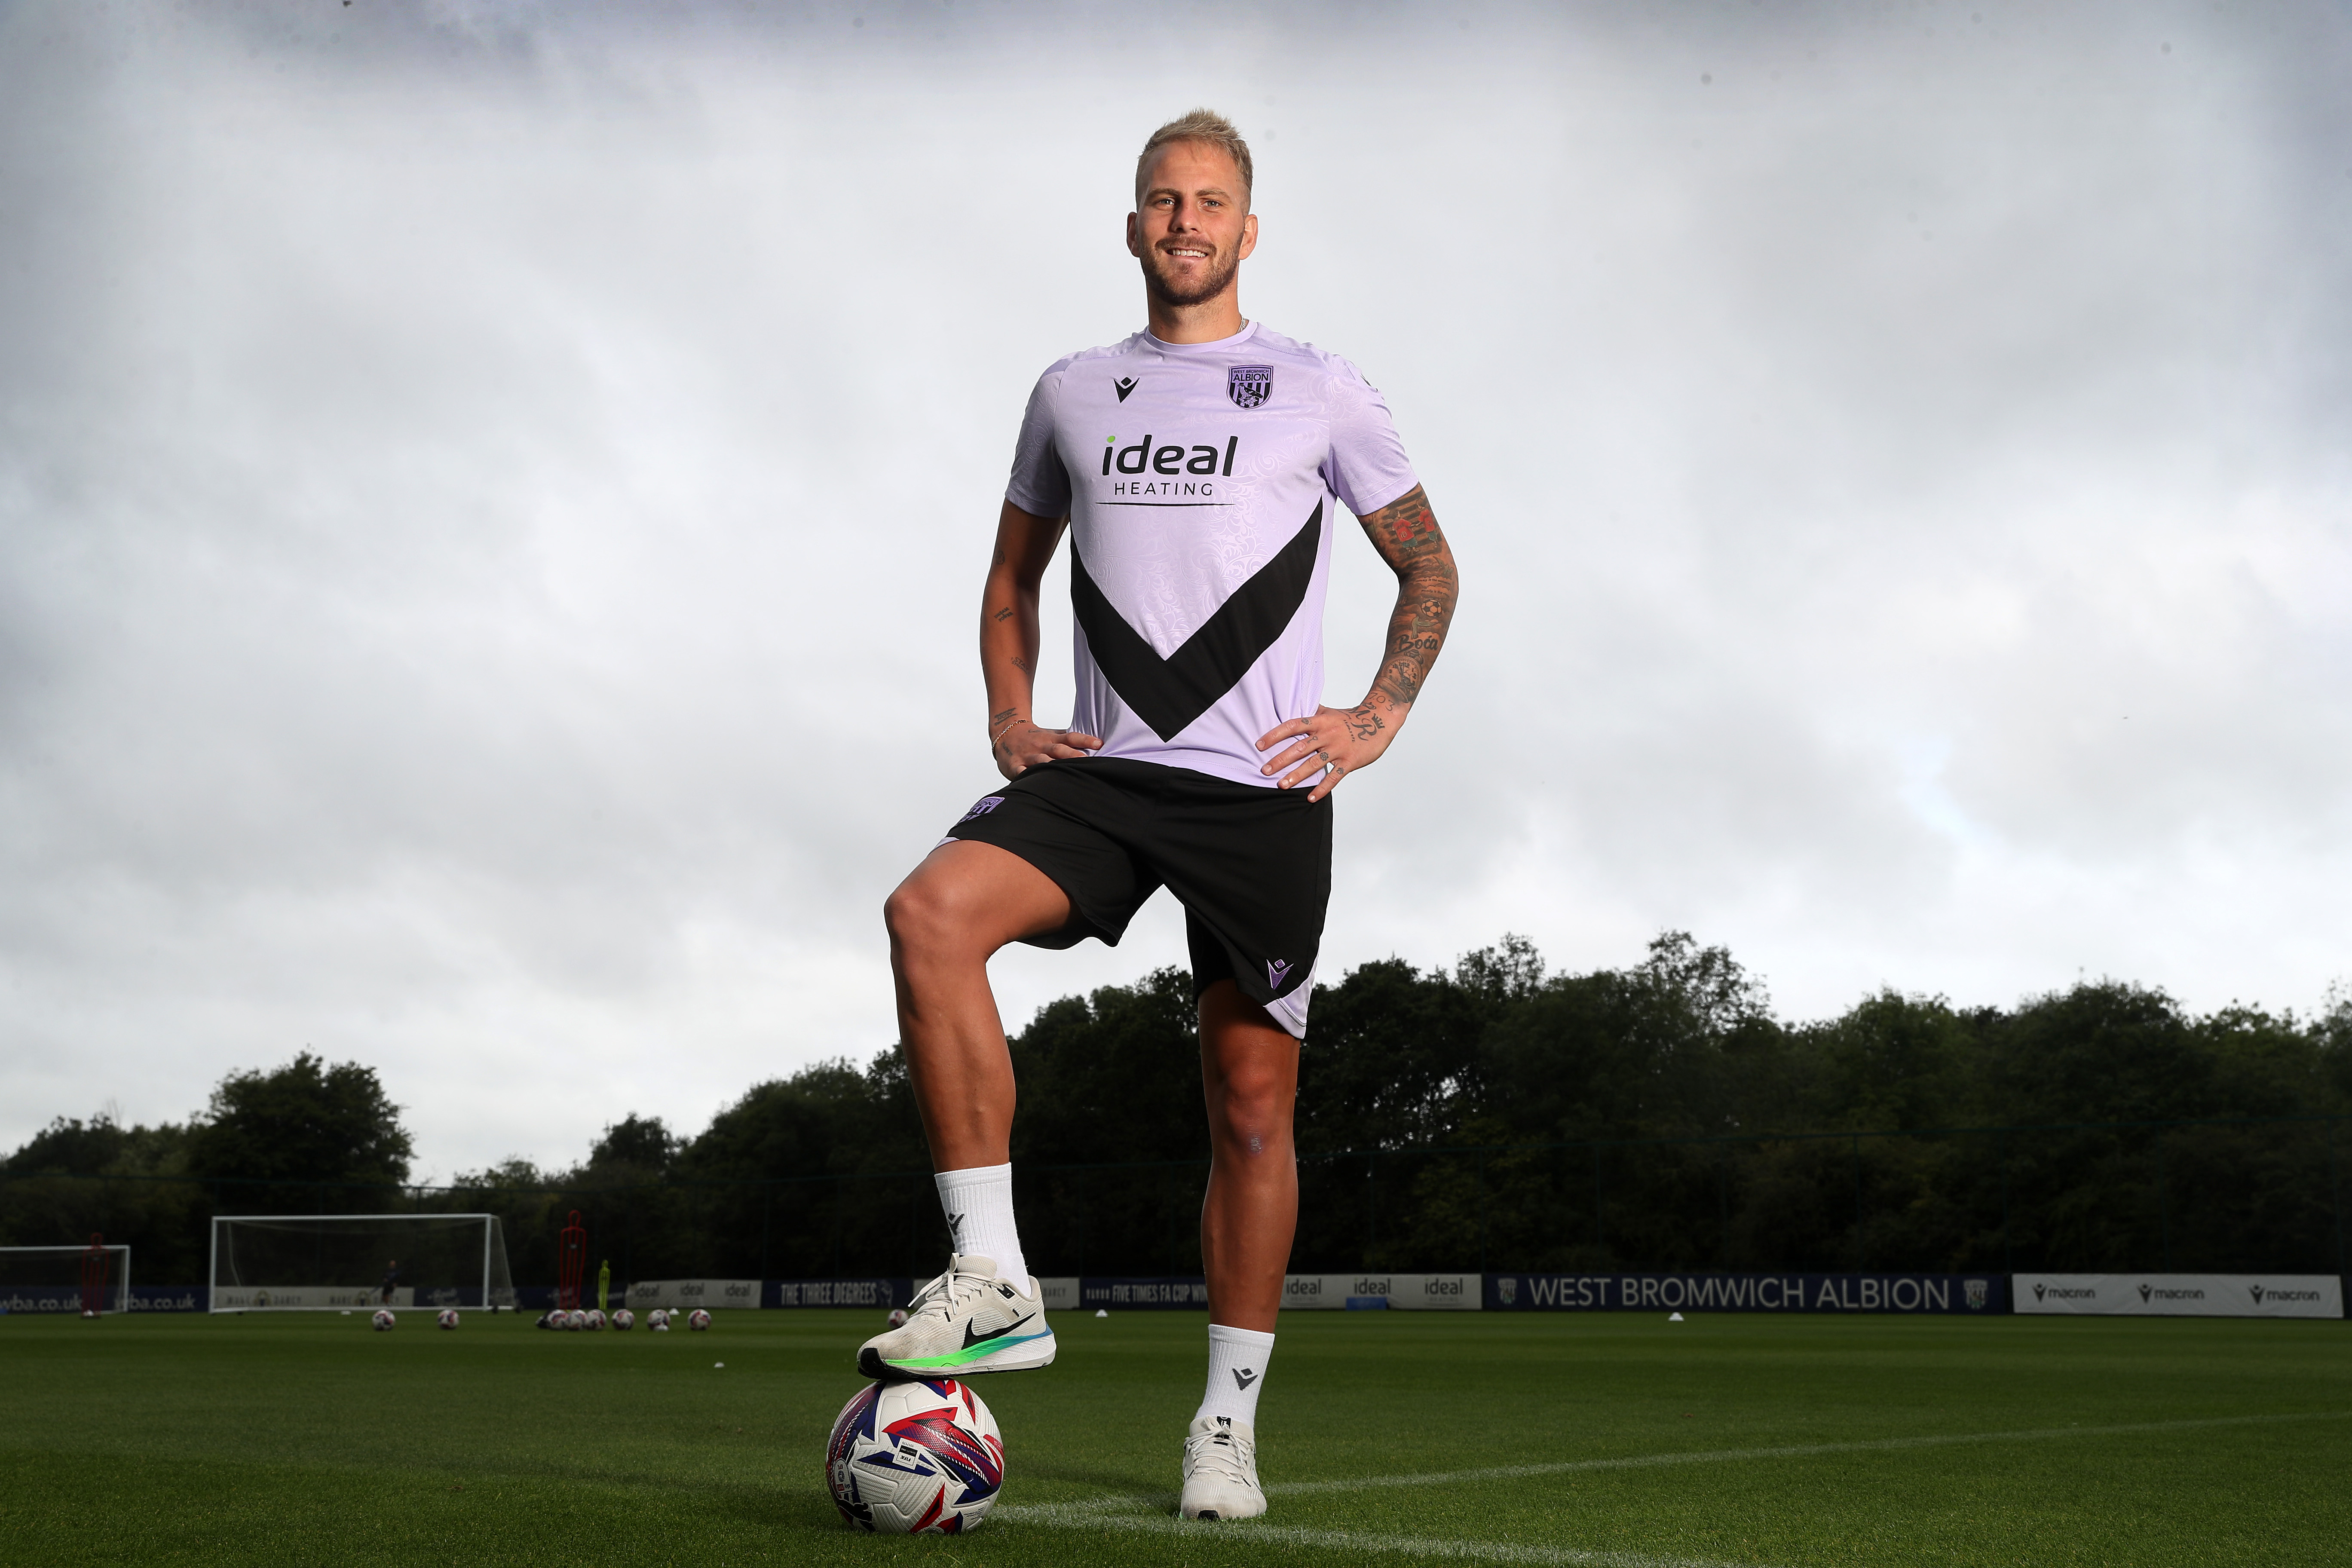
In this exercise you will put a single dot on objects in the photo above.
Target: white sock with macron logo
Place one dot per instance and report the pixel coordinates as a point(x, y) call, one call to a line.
point(979, 1206)
point(1237, 1359)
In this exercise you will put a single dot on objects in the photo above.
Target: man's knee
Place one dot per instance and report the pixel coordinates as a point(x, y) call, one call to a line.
point(1253, 1108)
point(921, 915)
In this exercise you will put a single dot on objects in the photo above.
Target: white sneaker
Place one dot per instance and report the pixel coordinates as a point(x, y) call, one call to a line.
point(964, 1322)
point(1220, 1469)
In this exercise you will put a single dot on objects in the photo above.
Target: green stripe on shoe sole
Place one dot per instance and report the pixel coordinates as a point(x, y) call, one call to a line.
point(964, 1357)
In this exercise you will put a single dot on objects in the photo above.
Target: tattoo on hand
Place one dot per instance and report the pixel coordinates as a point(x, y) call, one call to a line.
point(1364, 723)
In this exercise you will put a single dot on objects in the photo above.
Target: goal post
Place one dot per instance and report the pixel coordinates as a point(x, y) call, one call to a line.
point(320, 1262)
point(91, 1277)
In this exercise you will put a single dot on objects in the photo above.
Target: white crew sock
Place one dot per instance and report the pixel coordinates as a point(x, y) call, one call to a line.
point(979, 1206)
point(1237, 1359)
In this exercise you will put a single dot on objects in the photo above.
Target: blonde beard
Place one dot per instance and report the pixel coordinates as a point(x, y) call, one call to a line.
point(1209, 289)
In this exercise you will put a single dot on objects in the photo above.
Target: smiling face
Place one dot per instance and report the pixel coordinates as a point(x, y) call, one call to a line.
point(1193, 225)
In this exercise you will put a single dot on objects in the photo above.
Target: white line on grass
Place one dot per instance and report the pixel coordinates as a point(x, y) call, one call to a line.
point(1067, 1516)
point(1116, 1512)
point(1793, 1451)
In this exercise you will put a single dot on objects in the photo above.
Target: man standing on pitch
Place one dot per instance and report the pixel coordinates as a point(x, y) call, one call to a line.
point(1200, 466)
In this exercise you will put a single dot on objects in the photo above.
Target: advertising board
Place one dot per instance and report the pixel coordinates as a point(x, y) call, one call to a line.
point(1903, 1293)
point(2181, 1295)
point(1391, 1292)
point(692, 1293)
point(879, 1293)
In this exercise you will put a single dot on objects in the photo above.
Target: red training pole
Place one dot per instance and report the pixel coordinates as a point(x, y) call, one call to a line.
point(571, 1254)
point(93, 1277)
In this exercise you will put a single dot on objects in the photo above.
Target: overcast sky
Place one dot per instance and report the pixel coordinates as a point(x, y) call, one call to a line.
point(493, 497)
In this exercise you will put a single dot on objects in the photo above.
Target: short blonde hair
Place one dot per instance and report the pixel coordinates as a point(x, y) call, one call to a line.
point(1201, 125)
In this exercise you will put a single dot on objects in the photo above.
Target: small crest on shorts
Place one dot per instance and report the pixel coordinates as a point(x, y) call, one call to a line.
point(1276, 971)
point(1249, 384)
point(983, 806)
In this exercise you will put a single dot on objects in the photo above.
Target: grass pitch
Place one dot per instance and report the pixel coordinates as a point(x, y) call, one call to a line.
point(1615, 1439)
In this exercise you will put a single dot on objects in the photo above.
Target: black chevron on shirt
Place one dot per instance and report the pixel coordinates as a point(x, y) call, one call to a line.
point(1170, 693)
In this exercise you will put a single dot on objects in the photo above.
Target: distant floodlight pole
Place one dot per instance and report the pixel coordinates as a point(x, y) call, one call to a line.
point(571, 1256)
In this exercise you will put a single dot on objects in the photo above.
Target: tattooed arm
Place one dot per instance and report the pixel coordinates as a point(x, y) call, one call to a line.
point(1008, 644)
point(1338, 741)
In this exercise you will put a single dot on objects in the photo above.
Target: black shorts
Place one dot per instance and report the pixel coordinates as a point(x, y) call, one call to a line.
point(1250, 864)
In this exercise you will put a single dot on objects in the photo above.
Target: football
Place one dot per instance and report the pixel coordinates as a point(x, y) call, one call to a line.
point(448, 1318)
point(575, 1318)
point(915, 1457)
point(659, 1319)
point(624, 1319)
point(382, 1319)
point(596, 1318)
point(898, 1317)
point(698, 1319)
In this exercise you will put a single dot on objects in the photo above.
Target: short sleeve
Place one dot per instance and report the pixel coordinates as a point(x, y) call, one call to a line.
point(1040, 485)
point(1366, 468)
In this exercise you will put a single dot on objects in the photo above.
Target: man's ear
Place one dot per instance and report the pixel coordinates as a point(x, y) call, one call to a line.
point(1133, 246)
point(1249, 236)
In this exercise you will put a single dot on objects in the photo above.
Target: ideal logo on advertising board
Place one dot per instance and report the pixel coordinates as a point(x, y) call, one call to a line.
point(2181, 1295)
point(1391, 1292)
point(644, 1293)
point(1956, 1293)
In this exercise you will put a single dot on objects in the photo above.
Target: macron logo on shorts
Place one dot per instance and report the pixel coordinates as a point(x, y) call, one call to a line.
point(983, 806)
point(1275, 969)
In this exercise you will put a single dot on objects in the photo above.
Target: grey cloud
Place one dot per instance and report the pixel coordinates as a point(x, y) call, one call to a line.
point(491, 509)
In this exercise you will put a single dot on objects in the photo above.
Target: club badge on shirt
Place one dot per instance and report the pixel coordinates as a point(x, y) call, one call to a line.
point(1249, 384)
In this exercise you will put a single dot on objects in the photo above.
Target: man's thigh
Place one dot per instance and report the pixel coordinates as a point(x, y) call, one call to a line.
point(1072, 823)
point(990, 895)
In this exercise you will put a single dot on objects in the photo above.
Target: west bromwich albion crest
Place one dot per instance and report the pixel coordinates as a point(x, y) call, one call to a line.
point(1249, 384)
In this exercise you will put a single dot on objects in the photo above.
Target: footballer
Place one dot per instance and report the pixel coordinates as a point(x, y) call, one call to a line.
point(1199, 468)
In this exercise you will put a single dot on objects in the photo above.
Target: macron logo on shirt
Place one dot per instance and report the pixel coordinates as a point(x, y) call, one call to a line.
point(1123, 385)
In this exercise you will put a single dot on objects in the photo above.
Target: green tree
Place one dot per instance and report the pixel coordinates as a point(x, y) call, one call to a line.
point(306, 1121)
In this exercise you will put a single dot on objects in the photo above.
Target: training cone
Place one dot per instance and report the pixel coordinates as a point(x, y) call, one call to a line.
point(1673, 1317)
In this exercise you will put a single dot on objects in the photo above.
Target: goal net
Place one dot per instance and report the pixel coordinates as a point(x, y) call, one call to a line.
point(296, 1263)
point(61, 1279)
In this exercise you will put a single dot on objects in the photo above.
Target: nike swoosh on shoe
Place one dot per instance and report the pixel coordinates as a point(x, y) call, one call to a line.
point(971, 1338)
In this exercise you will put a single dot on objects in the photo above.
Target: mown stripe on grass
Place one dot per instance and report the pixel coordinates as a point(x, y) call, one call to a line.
point(1789, 1451)
point(1115, 1512)
point(1066, 1516)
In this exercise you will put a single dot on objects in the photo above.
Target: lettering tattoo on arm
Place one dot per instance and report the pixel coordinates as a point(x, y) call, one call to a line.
point(1006, 614)
point(1406, 534)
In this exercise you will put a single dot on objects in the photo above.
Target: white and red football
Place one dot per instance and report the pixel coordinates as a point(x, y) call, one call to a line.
point(915, 1459)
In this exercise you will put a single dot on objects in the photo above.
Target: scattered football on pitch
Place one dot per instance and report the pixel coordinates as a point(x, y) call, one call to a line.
point(449, 1318)
point(910, 1458)
point(624, 1318)
point(698, 1319)
point(382, 1319)
point(898, 1319)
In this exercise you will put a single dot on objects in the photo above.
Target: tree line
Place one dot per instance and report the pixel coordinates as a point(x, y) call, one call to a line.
point(1488, 1116)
